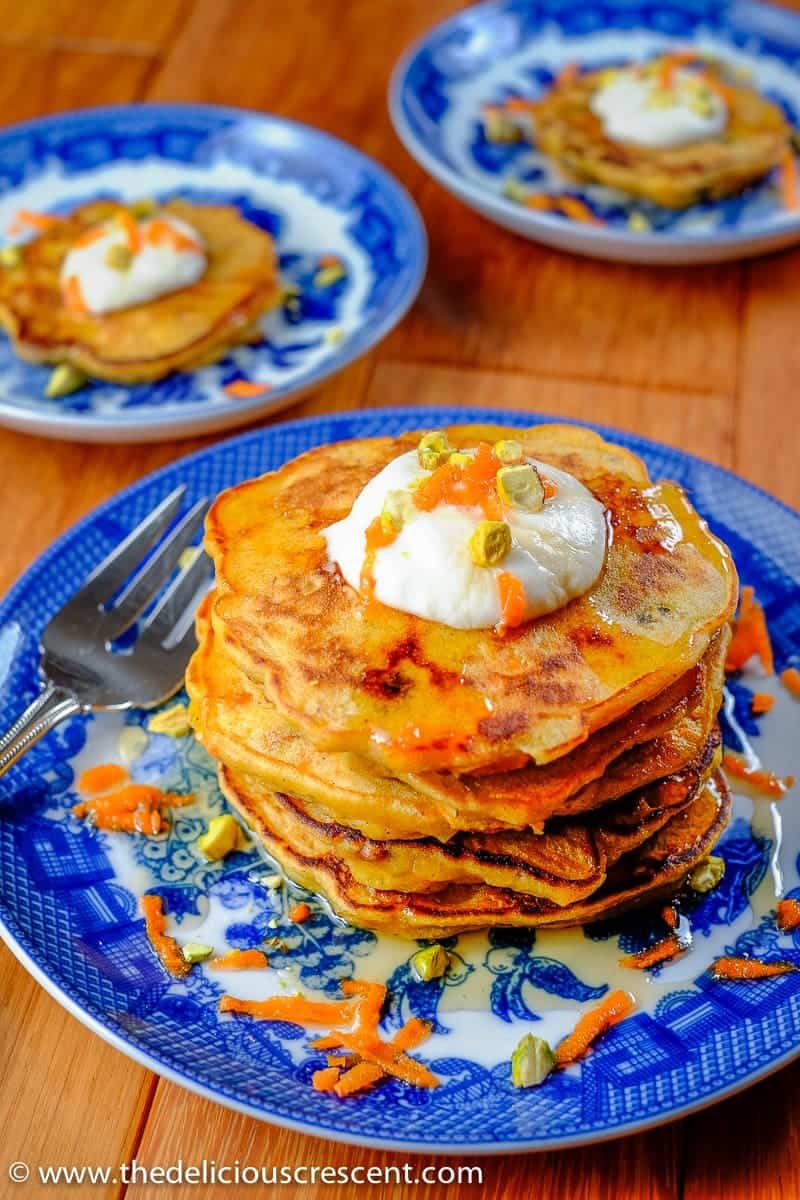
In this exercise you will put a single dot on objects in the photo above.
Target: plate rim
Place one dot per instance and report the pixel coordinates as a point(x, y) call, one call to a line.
point(590, 238)
point(25, 950)
point(180, 422)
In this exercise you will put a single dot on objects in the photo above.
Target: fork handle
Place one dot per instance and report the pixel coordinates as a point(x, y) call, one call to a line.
point(53, 705)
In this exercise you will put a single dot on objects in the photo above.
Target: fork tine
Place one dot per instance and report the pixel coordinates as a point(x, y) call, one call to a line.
point(152, 577)
point(173, 604)
point(112, 572)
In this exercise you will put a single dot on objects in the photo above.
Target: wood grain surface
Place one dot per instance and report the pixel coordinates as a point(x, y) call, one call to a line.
point(701, 358)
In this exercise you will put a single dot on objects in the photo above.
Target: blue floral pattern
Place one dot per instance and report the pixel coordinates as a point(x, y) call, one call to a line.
point(68, 894)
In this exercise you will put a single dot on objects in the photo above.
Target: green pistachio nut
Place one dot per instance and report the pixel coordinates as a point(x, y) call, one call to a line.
point(195, 952)
point(119, 257)
point(531, 1062)
point(490, 543)
point(433, 450)
point(10, 256)
point(430, 963)
point(64, 380)
point(509, 451)
point(707, 874)
point(521, 487)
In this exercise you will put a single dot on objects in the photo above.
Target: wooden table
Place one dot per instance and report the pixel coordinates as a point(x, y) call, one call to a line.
point(702, 358)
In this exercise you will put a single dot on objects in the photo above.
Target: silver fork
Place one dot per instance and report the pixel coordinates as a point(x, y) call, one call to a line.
point(82, 671)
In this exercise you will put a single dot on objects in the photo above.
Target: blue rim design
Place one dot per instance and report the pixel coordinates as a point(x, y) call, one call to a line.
point(454, 53)
point(757, 525)
point(278, 152)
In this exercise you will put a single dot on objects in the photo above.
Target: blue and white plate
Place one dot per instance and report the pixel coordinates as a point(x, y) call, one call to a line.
point(68, 894)
point(316, 195)
point(508, 48)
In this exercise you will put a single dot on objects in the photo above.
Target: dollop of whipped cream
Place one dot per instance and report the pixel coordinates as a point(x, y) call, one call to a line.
point(640, 105)
point(555, 555)
point(124, 262)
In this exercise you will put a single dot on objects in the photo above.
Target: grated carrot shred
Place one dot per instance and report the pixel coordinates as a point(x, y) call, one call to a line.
point(413, 1034)
point(73, 295)
point(790, 678)
point(517, 104)
point(761, 703)
point(668, 947)
point(90, 236)
point(297, 1009)
point(669, 65)
point(790, 190)
point(578, 210)
point(540, 201)
point(130, 227)
point(242, 388)
point(750, 635)
point(512, 600)
point(101, 778)
point(749, 968)
point(33, 220)
point(299, 913)
point(359, 1078)
point(788, 915)
point(763, 781)
point(669, 916)
point(324, 1080)
point(329, 260)
point(568, 74)
point(116, 804)
point(167, 949)
point(240, 960)
point(612, 1008)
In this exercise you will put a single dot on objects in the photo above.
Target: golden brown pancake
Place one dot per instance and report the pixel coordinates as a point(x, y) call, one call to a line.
point(179, 331)
point(413, 695)
point(655, 869)
point(755, 139)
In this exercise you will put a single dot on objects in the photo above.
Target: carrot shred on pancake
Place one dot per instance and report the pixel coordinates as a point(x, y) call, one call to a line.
point(788, 915)
point(612, 1008)
point(750, 635)
point(73, 295)
point(748, 968)
point(167, 949)
point(26, 218)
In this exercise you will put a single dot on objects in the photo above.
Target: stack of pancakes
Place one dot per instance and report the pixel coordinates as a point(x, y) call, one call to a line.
point(428, 780)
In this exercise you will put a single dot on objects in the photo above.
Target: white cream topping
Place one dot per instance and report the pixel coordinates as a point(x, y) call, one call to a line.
point(634, 108)
point(156, 267)
point(557, 553)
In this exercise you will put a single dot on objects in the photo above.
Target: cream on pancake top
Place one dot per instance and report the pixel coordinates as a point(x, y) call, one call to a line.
point(473, 539)
point(659, 105)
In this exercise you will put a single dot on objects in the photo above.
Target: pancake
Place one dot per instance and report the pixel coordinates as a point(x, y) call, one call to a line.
point(179, 331)
point(240, 727)
point(654, 870)
point(566, 863)
point(755, 140)
point(416, 696)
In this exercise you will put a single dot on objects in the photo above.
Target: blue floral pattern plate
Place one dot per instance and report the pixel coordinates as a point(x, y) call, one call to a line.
point(68, 893)
point(319, 198)
point(505, 48)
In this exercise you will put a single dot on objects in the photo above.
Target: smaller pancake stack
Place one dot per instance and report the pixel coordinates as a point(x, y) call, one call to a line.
point(346, 732)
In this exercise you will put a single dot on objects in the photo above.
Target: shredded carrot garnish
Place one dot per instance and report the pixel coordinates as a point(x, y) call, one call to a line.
point(517, 104)
point(167, 949)
point(578, 210)
point(612, 1008)
point(413, 1034)
point(790, 678)
point(101, 778)
point(472, 484)
point(568, 74)
point(329, 260)
point(360, 1077)
point(761, 703)
point(130, 227)
point(790, 193)
point(73, 295)
point(385, 1055)
point(512, 600)
point(749, 968)
point(750, 635)
point(299, 913)
point(160, 233)
point(296, 1009)
point(339, 1060)
point(33, 220)
point(324, 1080)
point(240, 960)
point(788, 915)
point(90, 236)
point(763, 781)
point(669, 65)
point(246, 387)
point(669, 916)
point(541, 202)
point(667, 948)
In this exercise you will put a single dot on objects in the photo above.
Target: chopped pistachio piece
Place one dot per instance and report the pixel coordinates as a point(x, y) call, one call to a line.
point(195, 952)
point(707, 874)
point(430, 963)
point(132, 743)
point(327, 276)
point(661, 98)
point(272, 881)
point(119, 257)
point(531, 1062)
point(187, 556)
point(10, 256)
point(433, 450)
point(64, 380)
point(498, 126)
point(397, 508)
point(516, 191)
point(335, 337)
point(490, 543)
point(521, 487)
point(172, 721)
point(639, 223)
point(144, 207)
point(702, 102)
point(509, 451)
point(459, 458)
point(221, 837)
